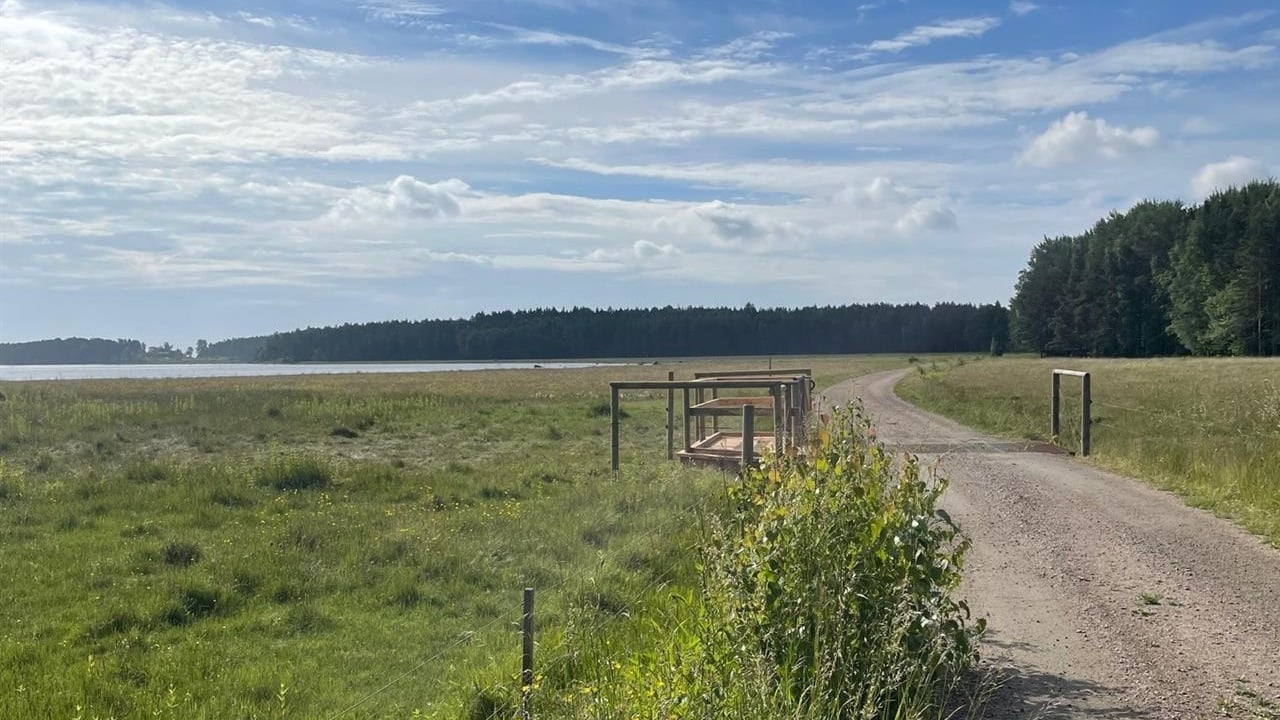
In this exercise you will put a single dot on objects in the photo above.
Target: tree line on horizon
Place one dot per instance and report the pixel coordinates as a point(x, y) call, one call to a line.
point(90, 351)
point(1159, 279)
point(646, 332)
point(580, 333)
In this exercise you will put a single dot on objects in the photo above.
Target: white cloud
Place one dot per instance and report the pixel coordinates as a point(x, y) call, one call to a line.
point(732, 226)
point(402, 12)
point(943, 29)
point(1022, 7)
point(260, 20)
point(1149, 57)
point(403, 198)
point(880, 191)
point(646, 249)
point(1079, 138)
point(751, 46)
point(1232, 172)
point(926, 215)
point(525, 36)
point(71, 91)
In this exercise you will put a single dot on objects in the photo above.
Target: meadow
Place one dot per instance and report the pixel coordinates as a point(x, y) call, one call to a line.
point(1206, 429)
point(335, 546)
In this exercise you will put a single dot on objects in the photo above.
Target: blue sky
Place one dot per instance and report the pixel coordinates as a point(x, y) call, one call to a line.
point(183, 170)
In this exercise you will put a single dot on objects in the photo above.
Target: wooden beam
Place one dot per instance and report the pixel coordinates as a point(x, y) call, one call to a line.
point(753, 373)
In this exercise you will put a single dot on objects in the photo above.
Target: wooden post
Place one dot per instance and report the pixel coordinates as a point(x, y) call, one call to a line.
point(786, 414)
point(702, 420)
point(748, 436)
point(1086, 418)
point(526, 665)
point(613, 415)
point(688, 431)
point(776, 392)
point(806, 403)
point(1055, 406)
point(671, 416)
point(715, 419)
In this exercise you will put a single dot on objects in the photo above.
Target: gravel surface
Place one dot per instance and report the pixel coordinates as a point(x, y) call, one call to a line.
point(1105, 598)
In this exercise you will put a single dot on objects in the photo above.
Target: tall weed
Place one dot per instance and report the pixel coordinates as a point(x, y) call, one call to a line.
point(827, 592)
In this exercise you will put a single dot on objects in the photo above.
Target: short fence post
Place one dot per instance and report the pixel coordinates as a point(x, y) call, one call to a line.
point(776, 393)
point(671, 416)
point(688, 441)
point(748, 436)
point(1055, 406)
point(715, 419)
point(1086, 417)
point(526, 665)
point(613, 414)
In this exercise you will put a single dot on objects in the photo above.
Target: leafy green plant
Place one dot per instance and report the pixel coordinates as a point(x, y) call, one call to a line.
point(827, 592)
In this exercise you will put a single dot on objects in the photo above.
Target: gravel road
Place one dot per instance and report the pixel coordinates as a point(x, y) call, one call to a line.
point(1105, 598)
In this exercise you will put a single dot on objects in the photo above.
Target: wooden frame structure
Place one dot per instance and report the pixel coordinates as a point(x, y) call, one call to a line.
point(1055, 407)
point(786, 398)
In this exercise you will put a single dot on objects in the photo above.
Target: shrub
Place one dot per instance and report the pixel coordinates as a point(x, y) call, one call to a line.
point(827, 592)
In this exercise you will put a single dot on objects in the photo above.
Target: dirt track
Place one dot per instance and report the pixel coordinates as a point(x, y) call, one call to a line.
point(1063, 553)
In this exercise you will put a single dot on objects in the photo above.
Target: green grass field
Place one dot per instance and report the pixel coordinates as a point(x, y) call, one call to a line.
point(288, 546)
point(1207, 429)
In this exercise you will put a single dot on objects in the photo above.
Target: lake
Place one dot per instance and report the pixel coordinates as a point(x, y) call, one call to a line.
point(204, 370)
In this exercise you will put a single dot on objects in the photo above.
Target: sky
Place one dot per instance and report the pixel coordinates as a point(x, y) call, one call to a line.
point(183, 170)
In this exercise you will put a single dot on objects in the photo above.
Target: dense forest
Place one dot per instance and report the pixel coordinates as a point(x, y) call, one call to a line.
point(656, 332)
point(243, 349)
point(74, 350)
point(1160, 279)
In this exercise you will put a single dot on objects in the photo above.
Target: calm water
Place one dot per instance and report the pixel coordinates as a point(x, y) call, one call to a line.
point(197, 370)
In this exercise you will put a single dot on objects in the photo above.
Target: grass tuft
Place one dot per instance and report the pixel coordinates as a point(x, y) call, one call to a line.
point(147, 471)
point(180, 554)
point(194, 602)
point(294, 472)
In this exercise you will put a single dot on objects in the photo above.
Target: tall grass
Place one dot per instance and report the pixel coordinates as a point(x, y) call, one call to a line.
point(1207, 429)
point(826, 591)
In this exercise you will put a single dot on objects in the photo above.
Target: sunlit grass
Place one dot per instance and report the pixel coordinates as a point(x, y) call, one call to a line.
point(1208, 429)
